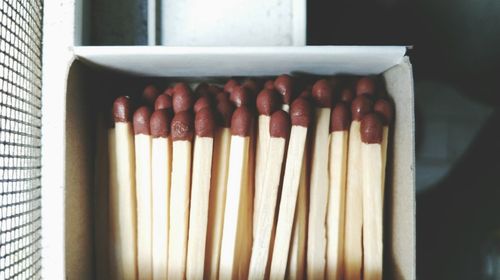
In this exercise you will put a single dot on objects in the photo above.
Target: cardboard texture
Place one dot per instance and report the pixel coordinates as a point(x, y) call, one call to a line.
point(97, 74)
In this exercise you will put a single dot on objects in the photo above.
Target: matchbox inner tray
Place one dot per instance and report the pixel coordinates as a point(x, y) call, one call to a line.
point(99, 73)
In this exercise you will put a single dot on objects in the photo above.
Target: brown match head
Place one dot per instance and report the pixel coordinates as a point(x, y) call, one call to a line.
point(122, 109)
point(340, 118)
point(183, 99)
point(222, 95)
point(361, 106)
point(204, 123)
point(214, 89)
point(301, 112)
point(241, 122)
point(141, 120)
point(386, 110)
point(365, 85)
point(322, 93)
point(279, 125)
point(202, 90)
point(182, 126)
point(372, 129)
point(268, 101)
point(163, 101)
point(269, 85)
point(230, 85)
point(225, 111)
point(169, 91)
point(251, 85)
point(202, 102)
point(160, 123)
point(346, 95)
point(240, 96)
point(149, 95)
point(284, 85)
point(306, 93)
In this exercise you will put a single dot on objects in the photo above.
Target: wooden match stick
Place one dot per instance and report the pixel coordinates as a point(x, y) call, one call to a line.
point(279, 130)
point(339, 135)
point(143, 191)
point(123, 194)
point(161, 165)
point(373, 199)
point(222, 142)
point(182, 130)
point(316, 242)
point(163, 101)
point(149, 95)
point(353, 252)
point(267, 103)
point(386, 111)
point(114, 255)
point(284, 85)
point(300, 114)
point(236, 186)
point(204, 126)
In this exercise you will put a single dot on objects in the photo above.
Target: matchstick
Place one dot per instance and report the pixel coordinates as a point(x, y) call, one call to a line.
point(284, 85)
point(300, 114)
point(353, 253)
point(373, 198)
point(182, 98)
point(236, 186)
point(267, 103)
point(202, 103)
point(222, 142)
point(204, 126)
point(143, 191)
point(123, 194)
point(182, 130)
point(386, 111)
point(161, 168)
point(316, 242)
point(279, 130)
point(339, 135)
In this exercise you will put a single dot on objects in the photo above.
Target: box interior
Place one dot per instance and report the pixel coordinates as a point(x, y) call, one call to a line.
point(98, 74)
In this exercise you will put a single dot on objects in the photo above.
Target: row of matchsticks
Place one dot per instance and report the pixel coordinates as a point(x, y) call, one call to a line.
point(249, 180)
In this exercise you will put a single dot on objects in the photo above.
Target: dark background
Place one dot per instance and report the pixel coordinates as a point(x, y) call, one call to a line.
point(455, 56)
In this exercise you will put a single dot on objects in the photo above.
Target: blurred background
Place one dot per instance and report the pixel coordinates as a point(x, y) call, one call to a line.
point(455, 52)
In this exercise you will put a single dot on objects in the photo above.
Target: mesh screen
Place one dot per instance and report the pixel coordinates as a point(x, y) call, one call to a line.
point(20, 138)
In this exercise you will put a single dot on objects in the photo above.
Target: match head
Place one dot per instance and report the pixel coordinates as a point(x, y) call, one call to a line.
point(222, 95)
point(182, 126)
point(141, 120)
point(214, 89)
point(241, 122)
point(201, 103)
point(160, 123)
point(340, 118)
point(301, 112)
point(306, 93)
point(386, 110)
point(230, 85)
point(279, 125)
point(225, 111)
point(204, 123)
point(284, 85)
point(346, 95)
point(269, 85)
point(361, 106)
point(122, 109)
point(163, 101)
point(183, 99)
point(149, 95)
point(169, 91)
point(251, 85)
point(267, 102)
point(202, 90)
point(322, 93)
point(372, 129)
point(365, 85)
point(240, 96)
